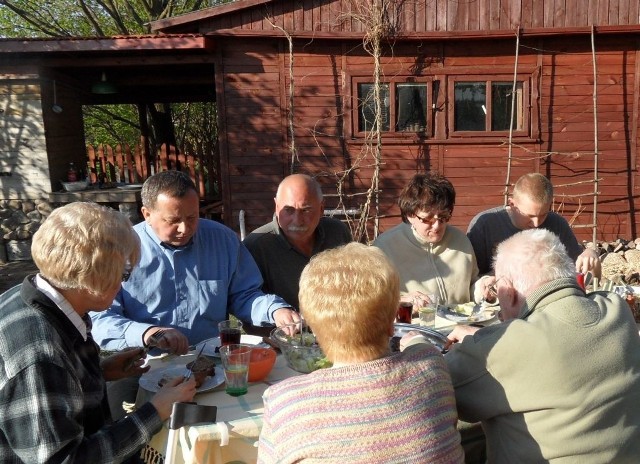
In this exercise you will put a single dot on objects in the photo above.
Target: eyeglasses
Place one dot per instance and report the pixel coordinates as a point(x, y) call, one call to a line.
point(125, 275)
point(442, 218)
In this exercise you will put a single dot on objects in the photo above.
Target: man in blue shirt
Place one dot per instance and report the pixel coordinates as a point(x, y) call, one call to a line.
point(192, 274)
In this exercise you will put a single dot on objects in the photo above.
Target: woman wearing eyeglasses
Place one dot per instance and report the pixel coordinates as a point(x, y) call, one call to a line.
point(432, 257)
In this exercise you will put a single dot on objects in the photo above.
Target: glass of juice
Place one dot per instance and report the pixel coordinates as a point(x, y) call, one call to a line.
point(404, 314)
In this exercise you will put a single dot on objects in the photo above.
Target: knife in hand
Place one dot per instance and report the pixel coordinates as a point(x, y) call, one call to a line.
point(190, 370)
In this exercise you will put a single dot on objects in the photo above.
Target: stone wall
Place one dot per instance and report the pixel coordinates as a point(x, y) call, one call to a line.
point(19, 219)
point(620, 261)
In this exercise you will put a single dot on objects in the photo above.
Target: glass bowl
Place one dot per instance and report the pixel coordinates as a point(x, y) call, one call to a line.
point(302, 352)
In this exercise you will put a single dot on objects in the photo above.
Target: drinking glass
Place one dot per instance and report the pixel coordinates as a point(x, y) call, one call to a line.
point(235, 363)
point(427, 312)
point(404, 313)
point(230, 331)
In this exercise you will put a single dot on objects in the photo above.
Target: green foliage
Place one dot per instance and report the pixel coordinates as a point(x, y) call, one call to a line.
point(192, 125)
point(86, 18)
point(111, 124)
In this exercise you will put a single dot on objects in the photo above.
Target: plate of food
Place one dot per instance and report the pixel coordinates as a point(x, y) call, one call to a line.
point(467, 313)
point(154, 379)
point(213, 344)
point(400, 329)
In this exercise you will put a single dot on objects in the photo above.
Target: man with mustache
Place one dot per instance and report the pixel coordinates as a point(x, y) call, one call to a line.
point(283, 247)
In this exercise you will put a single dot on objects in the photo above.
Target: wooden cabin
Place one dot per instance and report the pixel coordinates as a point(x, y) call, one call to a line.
point(482, 92)
point(294, 79)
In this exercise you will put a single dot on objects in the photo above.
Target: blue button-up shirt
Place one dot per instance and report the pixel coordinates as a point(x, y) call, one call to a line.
point(190, 288)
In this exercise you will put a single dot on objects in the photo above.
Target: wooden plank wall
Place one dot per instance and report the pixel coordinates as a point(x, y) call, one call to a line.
point(256, 89)
point(253, 141)
point(430, 15)
point(24, 172)
point(568, 119)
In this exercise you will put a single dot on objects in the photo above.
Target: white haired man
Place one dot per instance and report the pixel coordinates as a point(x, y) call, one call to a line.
point(559, 380)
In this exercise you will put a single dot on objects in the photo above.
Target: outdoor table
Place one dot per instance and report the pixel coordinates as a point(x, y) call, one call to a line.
point(234, 437)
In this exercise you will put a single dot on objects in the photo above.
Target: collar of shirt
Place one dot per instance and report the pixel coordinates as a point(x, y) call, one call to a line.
point(55, 296)
point(152, 234)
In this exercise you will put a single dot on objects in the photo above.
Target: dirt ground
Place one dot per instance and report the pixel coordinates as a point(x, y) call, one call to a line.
point(13, 272)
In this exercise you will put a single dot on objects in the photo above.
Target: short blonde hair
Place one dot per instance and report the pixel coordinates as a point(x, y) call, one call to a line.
point(85, 246)
point(349, 296)
point(536, 187)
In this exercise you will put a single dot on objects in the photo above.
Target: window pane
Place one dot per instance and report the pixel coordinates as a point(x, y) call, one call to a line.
point(412, 103)
point(501, 106)
point(367, 107)
point(470, 107)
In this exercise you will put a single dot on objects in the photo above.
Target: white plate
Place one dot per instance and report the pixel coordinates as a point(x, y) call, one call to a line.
point(130, 187)
point(213, 344)
point(149, 381)
point(448, 313)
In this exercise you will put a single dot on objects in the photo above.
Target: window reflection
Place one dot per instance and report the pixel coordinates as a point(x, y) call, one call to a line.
point(501, 93)
point(411, 101)
point(367, 107)
point(470, 107)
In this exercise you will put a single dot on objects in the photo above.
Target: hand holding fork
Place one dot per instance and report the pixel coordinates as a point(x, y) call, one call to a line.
point(152, 342)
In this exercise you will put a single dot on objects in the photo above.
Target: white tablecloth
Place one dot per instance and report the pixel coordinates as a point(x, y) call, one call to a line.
point(239, 421)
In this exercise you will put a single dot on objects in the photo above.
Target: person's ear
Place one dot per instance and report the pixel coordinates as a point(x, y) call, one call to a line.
point(146, 213)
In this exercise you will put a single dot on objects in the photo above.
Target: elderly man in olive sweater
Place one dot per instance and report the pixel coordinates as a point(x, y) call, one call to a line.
point(559, 380)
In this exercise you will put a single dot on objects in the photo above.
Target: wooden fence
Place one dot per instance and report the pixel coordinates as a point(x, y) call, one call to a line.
point(124, 163)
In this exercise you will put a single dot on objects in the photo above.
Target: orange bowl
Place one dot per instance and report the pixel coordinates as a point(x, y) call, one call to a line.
point(261, 363)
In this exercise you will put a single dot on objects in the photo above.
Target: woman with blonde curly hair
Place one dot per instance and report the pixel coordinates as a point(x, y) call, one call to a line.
point(372, 405)
point(52, 394)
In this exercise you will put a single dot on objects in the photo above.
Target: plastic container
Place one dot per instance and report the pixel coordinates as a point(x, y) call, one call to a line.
point(261, 363)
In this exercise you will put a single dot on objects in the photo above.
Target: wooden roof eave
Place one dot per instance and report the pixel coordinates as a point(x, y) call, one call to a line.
point(459, 35)
point(165, 25)
point(162, 43)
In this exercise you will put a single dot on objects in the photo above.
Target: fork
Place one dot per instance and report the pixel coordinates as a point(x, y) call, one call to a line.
point(152, 342)
point(480, 307)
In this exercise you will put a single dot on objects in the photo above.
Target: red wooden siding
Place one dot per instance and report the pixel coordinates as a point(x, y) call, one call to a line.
point(411, 16)
point(254, 104)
